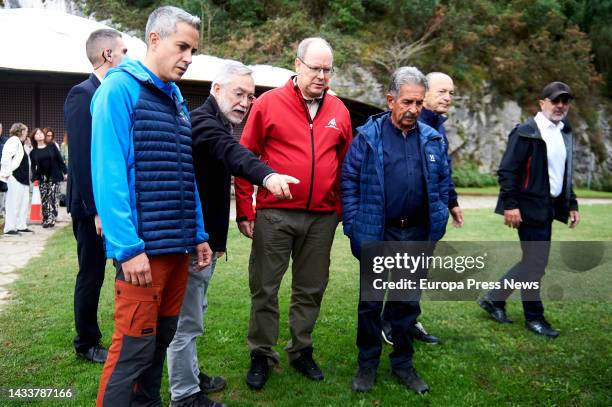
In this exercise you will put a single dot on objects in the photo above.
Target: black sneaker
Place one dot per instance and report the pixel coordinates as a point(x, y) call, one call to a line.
point(306, 365)
point(258, 373)
point(418, 332)
point(12, 233)
point(497, 313)
point(95, 354)
point(211, 384)
point(541, 327)
point(364, 379)
point(411, 379)
point(198, 399)
point(26, 230)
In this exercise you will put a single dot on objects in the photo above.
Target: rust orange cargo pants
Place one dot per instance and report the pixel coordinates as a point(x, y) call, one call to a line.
point(145, 322)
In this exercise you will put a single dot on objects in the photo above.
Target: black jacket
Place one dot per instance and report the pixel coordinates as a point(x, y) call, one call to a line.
point(217, 155)
point(58, 167)
point(79, 192)
point(523, 177)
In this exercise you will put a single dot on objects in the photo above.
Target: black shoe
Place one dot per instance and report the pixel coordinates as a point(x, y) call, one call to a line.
point(95, 354)
point(12, 233)
point(411, 379)
point(496, 312)
point(258, 373)
point(419, 333)
point(386, 332)
point(364, 379)
point(306, 365)
point(211, 384)
point(25, 230)
point(198, 399)
point(541, 327)
point(45, 225)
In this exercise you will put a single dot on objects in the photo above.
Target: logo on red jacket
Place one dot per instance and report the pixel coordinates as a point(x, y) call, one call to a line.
point(332, 124)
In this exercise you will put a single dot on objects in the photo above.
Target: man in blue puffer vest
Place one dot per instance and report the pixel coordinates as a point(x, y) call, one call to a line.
point(147, 199)
point(395, 182)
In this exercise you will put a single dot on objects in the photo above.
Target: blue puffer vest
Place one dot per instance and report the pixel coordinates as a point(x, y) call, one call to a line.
point(164, 174)
point(362, 185)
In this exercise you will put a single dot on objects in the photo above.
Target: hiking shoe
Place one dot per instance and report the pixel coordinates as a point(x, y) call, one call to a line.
point(411, 380)
point(198, 399)
point(211, 384)
point(364, 379)
point(306, 365)
point(258, 373)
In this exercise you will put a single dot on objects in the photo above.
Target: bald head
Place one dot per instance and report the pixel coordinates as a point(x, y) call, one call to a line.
point(313, 65)
point(440, 94)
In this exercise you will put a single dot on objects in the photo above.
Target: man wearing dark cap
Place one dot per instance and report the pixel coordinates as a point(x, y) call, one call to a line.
point(535, 178)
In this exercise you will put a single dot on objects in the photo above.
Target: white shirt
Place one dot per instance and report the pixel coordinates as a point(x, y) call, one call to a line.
point(555, 152)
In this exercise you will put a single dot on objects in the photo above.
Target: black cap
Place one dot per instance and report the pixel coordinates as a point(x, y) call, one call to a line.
point(555, 89)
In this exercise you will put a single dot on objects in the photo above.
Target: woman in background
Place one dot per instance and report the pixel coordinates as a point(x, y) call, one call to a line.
point(49, 170)
point(14, 171)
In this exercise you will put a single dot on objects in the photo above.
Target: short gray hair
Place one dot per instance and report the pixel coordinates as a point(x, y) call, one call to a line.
point(307, 42)
point(98, 41)
point(407, 75)
point(163, 21)
point(228, 71)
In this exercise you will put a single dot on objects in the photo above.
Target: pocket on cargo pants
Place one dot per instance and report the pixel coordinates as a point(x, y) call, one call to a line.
point(136, 309)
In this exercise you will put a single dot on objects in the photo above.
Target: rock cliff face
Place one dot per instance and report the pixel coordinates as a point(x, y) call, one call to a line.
point(478, 126)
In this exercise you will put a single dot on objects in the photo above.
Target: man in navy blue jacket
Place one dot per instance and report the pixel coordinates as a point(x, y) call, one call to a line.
point(105, 49)
point(394, 188)
point(437, 101)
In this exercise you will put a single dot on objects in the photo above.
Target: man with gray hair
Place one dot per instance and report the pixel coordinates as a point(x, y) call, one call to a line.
point(394, 188)
point(301, 130)
point(147, 199)
point(105, 49)
point(217, 156)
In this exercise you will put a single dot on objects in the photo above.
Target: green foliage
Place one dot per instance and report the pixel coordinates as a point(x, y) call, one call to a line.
point(516, 46)
point(468, 175)
point(603, 182)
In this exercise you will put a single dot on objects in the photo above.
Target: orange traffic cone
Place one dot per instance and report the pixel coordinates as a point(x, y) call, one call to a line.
point(36, 208)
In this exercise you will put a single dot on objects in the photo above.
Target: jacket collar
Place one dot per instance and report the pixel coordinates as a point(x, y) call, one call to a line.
point(372, 129)
point(94, 79)
point(530, 129)
point(431, 118)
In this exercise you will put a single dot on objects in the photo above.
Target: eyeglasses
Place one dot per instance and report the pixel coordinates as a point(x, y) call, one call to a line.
point(315, 69)
point(241, 95)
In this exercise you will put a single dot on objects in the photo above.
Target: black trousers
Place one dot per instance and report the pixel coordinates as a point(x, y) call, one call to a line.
point(400, 314)
point(530, 268)
point(92, 261)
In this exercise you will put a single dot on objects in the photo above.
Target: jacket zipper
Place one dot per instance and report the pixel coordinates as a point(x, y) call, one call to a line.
point(528, 171)
point(311, 124)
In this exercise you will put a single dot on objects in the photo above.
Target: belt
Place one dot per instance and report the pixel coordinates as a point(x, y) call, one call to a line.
point(406, 222)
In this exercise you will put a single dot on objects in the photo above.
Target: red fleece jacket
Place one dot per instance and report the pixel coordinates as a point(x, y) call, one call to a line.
point(279, 130)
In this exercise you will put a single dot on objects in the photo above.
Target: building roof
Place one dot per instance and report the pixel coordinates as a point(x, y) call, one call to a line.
point(49, 40)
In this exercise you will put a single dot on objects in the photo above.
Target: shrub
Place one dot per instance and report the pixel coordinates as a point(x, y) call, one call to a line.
point(468, 175)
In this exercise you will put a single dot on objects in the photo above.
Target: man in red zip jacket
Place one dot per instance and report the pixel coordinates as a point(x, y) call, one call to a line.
point(302, 131)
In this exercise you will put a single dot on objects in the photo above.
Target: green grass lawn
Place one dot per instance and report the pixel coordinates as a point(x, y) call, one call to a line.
point(479, 363)
point(580, 193)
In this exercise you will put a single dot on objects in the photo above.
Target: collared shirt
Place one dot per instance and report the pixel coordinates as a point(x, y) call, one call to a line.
point(404, 181)
point(555, 151)
point(312, 104)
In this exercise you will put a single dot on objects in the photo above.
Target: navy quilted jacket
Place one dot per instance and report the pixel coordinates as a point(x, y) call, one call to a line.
point(362, 185)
